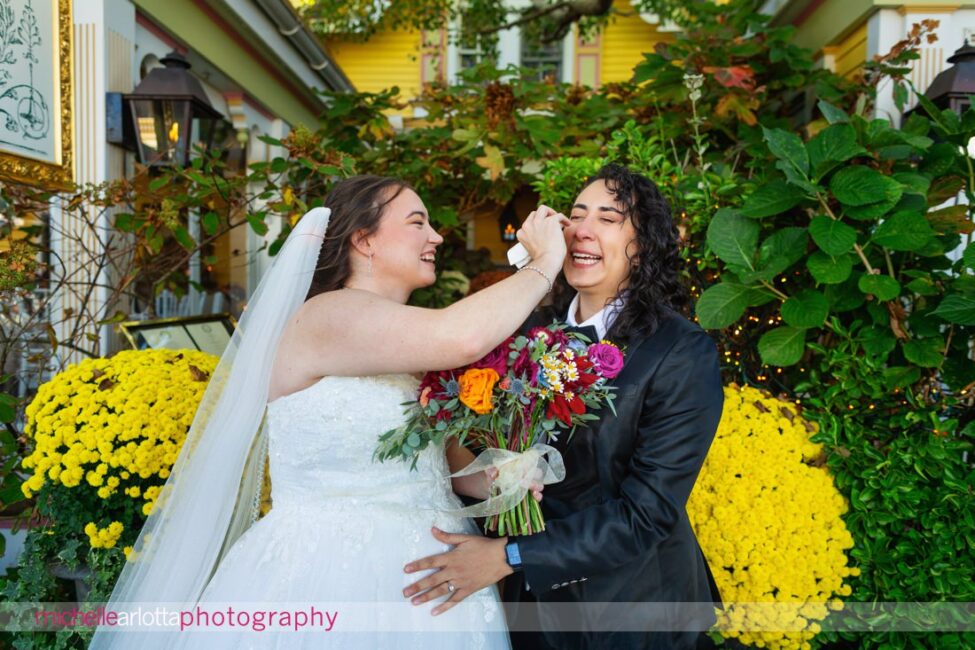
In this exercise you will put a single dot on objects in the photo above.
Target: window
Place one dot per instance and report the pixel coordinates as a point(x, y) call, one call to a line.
point(544, 60)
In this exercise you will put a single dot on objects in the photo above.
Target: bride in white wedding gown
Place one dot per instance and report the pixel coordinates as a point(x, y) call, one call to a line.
point(326, 350)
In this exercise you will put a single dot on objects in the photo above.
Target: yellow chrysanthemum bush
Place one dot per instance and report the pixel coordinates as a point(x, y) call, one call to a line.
point(103, 435)
point(768, 518)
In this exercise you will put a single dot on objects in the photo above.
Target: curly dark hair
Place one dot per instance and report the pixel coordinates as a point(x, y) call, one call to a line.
point(653, 286)
point(357, 204)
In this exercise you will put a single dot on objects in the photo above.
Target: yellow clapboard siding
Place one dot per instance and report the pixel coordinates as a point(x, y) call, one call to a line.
point(388, 59)
point(624, 40)
point(851, 53)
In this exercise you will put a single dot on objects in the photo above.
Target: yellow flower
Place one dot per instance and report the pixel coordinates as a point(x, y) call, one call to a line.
point(770, 523)
point(113, 427)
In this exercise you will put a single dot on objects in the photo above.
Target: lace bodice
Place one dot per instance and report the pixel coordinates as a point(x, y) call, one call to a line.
point(322, 439)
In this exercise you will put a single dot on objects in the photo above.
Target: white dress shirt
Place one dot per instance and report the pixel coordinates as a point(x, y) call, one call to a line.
point(602, 320)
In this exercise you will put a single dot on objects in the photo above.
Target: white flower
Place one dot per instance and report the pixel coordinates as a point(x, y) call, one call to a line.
point(971, 147)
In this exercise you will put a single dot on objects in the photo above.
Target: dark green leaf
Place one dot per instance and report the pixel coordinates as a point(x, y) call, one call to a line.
point(957, 309)
point(781, 250)
point(832, 236)
point(158, 183)
point(182, 235)
point(883, 287)
point(796, 177)
point(805, 309)
point(828, 269)
point(832, 114)
point(844, 296)
point(913, 183)
point(903, 231)
point(900, 376)
point(782, 346)
point(923, 287)
point(210, 222)
point(788, 147)
point(939, 159)
point(831, 146)
point(968, 257)
point(927, 353)
point(861, 186)
point(125, 222)
point(871, 211)
point(257, 225)
point(771, 199)
point(878, 342)
point(733, 238)
point(722, 304)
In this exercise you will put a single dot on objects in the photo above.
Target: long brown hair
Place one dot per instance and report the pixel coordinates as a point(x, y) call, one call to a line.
point(357, 205)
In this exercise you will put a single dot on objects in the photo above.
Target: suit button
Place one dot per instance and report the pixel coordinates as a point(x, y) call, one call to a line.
point(565, 584)
point(555, 586)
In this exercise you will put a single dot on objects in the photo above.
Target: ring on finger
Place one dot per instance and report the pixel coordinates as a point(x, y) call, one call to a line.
point(451, 587)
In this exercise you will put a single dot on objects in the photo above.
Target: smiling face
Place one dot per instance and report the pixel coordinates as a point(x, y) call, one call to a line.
point(405, 244)
point(601, 241)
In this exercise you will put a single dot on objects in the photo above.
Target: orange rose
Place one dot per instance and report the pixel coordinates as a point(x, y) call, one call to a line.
point(476, 385)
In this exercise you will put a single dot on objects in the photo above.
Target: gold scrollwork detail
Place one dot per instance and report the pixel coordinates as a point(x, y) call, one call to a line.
point(20, 169)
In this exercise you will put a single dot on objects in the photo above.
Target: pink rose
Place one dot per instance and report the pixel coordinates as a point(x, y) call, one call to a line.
point(607, 358)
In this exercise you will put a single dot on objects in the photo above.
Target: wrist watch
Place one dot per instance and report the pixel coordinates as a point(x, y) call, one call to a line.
point(513, 555)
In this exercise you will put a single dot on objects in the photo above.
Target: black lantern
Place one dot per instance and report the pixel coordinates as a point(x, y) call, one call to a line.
point(171, 114)
point(953, 86)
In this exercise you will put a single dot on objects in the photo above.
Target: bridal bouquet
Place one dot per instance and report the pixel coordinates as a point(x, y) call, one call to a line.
point(512, 403)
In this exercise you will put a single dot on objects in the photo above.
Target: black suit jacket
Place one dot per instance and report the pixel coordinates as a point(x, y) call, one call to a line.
point(622, 535)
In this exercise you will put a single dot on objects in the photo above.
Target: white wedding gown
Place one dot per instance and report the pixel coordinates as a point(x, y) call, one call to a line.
point(342, 527)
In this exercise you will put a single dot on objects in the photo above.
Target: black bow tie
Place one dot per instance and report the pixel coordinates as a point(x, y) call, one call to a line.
point(589, 331)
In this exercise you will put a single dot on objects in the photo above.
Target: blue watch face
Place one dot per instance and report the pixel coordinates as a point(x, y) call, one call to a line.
point(514, 555)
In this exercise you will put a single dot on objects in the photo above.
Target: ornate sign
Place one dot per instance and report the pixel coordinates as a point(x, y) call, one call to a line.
point(35, 92)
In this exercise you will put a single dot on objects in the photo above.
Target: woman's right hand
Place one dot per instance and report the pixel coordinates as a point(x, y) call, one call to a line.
point(541, 235)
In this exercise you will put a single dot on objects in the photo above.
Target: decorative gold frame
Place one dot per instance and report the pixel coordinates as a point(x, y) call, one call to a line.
point(54, 176)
